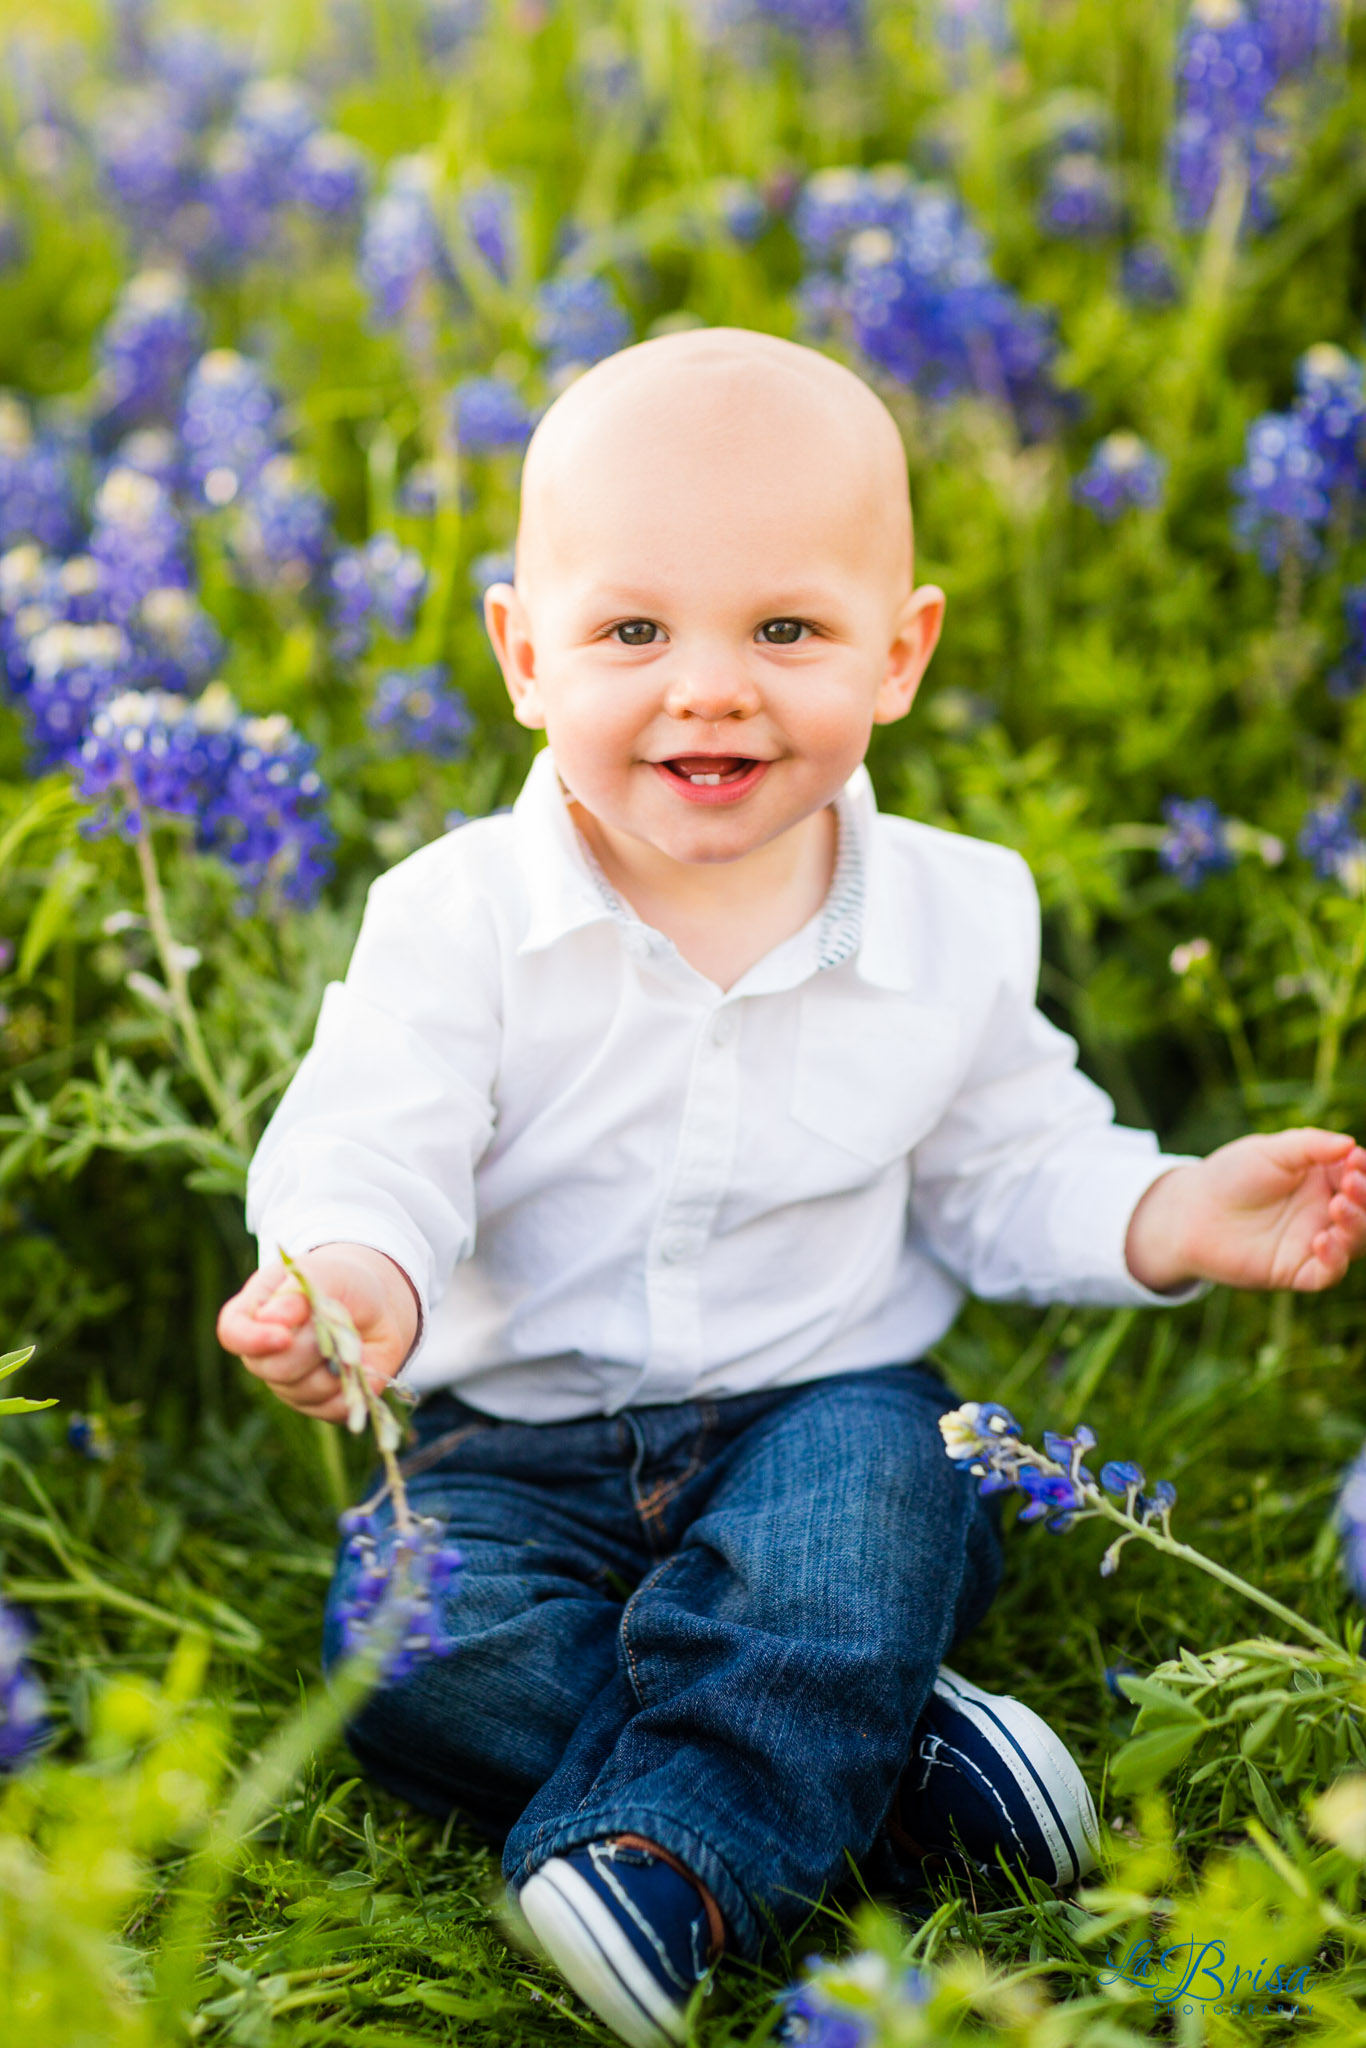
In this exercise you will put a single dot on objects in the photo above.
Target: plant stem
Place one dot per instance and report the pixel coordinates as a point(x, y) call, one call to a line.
point(1169, 1546)
point(177, 985)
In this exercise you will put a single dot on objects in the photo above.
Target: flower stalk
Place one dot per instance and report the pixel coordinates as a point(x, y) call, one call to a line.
point(172, 961)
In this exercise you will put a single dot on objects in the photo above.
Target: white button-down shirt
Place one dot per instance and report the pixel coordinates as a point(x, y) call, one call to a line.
point(613, 1183)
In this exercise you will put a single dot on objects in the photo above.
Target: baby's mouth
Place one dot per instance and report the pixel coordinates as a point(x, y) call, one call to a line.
point(709, 770)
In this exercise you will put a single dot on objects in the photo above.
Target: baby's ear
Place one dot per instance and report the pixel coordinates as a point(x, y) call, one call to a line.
point(509, 630)
point(914, 641)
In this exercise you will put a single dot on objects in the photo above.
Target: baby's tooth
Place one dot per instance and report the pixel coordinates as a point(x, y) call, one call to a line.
point(704, 778)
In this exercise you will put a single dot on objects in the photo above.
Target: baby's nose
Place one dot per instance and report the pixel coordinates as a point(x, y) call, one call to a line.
point(712, 693)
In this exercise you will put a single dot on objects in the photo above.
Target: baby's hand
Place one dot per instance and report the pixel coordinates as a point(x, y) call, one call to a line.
point(1285, 1210)
point(268, 1325)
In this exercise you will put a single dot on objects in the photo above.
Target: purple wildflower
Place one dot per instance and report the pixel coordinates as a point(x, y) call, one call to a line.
point(1147, 277)
point(1120, 1476)
point(1080, 199)
point(1295, 32)
point(488, 215)
point(1331, 408)
point(487, 414)
point(283, 537)
point(1049, 1495)
point(817, 20)
point(228, 425)
point(1348, 679)
point(176, 644)
point(379, 586)
point(741, 209)
point(851, 2003)
point(1196, 844)
point(267, 818)
point(329, 175)
point(72, 671)
point(418, 711)
point(145, 151)
point(153, 452)
point(402, 251)
point(88, 1436)
point(37, 497)
point(201, 73)
point(1281, 490)
point(1121, 472)
point(400, 1593)
point(138, 539)
point(497, 566)
point(146, 348)
point(23, 1706)
point(1329, 836)
point(579, 320)
point(1351, 1521)
point(836, 204)
point(965, 27)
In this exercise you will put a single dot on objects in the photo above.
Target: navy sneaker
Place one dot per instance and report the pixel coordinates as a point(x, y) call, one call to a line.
point(627, 1931)
point(986, 1773)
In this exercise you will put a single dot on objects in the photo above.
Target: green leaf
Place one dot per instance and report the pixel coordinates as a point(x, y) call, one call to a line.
point(1147, 1759)
point(1262, 1799)
point(67, 881)
point(17, 1405)
point(1158, 1704)
point(1258, 1734)
point(12, 1360)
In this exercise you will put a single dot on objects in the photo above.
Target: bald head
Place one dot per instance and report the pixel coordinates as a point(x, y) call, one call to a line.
point(739, 430)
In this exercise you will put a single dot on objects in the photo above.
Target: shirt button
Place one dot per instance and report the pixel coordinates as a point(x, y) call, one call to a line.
point(675, 1248)
point(723, 1027)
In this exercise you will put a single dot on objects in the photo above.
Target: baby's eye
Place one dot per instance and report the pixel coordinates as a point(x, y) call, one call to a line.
point(636, 632)
point(782, 632)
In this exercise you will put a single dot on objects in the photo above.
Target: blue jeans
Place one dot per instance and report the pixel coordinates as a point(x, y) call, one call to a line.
point(712, 1623)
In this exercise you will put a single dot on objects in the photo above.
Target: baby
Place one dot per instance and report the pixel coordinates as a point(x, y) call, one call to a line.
point(655, 1135)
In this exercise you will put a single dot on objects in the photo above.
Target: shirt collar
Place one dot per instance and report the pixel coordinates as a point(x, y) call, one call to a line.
point(566, 889)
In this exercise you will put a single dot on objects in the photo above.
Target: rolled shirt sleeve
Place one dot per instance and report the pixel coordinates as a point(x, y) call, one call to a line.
point(1025, 1188)
point(377, 1137)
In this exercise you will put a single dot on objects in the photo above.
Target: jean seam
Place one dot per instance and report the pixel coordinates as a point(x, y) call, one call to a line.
point(659, 1496)
point(623, 1626)
point(431, 1454)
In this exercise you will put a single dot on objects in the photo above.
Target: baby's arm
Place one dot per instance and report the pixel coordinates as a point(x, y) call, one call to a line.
point(267, 1324)
point(1284, 1210)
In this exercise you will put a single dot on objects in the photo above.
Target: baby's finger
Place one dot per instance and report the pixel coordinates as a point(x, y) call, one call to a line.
point(287, 1367)
point(1326, 1265)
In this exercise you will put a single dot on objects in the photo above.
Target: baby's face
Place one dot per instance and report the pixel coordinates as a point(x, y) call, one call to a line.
point(714, 601)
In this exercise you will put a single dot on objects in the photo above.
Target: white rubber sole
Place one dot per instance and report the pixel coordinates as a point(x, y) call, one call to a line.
point(591, 1953)
point(1043, 1767)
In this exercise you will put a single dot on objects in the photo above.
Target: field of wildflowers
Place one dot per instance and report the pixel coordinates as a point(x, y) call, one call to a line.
point(282, 291)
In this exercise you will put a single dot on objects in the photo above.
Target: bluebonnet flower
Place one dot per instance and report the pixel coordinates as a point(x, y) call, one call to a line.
point(1224, 77)
point(1121, 1476)
point(926, 308)
point(963, 27)
point(138, 539)
point(820, 305)
point(1295, 32)
point(498, 565)
point(266, 819)
point(488, 413)
point(1080, 199)
point(329, 174)
point(1146, 276)
point(852, 2003)
point(488, 215)
point(37, 494)
point(418, 711)
point(400, 1592)
point(377, 586)
point(146, 153)
point(88, 1436)
point(403, 253)
point(249, 784)
point(741, 208)
point(1331, 408)
point(1196, 844)
point(176, 644)
point(1351, 1521)
point(1330, 837)
point(1068, 1451)
point(821, 20)
point(279, 117)
point(283, 537)
point(835, 204)
point(153, 452)
point(13, 238)
point(201, 72)
point(23, 1705)
point(419, 491)
point(1051, 1497)
point(1281, 490)
point(228, 424)
point(251, 165)
point(579, 320)
point(1121, 471)
point(1348, 678)
point(72, 670)
point(146, 348)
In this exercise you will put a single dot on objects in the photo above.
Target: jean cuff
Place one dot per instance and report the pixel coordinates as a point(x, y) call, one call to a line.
point(744, 1933)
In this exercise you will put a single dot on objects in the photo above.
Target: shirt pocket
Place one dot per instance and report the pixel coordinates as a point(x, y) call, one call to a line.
point(874, 1075)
